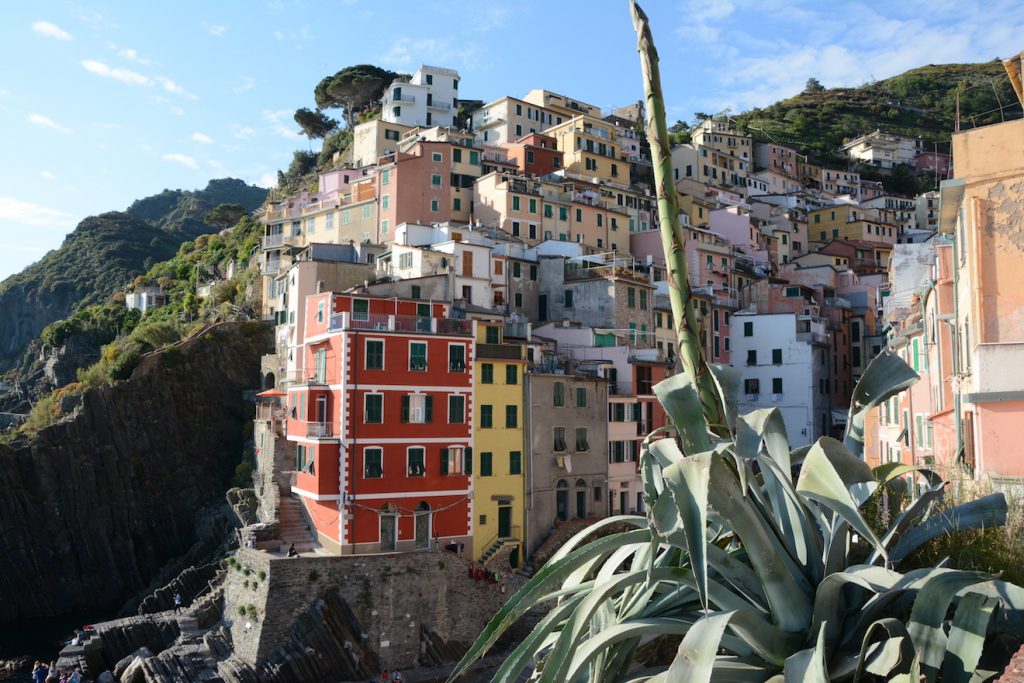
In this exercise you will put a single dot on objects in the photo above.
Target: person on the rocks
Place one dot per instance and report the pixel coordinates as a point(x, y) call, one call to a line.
point(177, 603)
point(471, 570)
point(39, 672)
point(292, 552)
point(76, 676)
point(385, 677)
point(396, 676)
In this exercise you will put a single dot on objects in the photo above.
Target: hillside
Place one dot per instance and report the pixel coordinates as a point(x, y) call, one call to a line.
point(104, 252)
point(920, 102)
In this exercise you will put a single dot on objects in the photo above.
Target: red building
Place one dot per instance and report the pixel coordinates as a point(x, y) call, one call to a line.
point(535, 154)
point(382, 426)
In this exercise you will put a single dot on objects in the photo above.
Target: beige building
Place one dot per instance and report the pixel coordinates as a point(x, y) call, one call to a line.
point(507, 119)
point(374, 139)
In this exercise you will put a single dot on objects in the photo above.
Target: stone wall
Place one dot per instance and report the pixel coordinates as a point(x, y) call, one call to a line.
point(275, 458)
point(395, 598)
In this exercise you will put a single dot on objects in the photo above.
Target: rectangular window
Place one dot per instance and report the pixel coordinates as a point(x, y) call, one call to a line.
point(533, 205)
point(511, 417)
point(579, 215)
point(435, 206)
point(559, 393)
point(436, 156)
point(533, 273)
point(559, 439)
point(360, 309)
point(563, 213)
point(417, 409)
point(751, 387)
point(385, 201)
point(776, 385)
point(515, 462)
point(385, 225)
point(474, 157)
point(457, 155)
point(418, 356)
point(581, 397)
point(581, 439)
point(373, 463)
point(568, 298)
point(486, 464)
point(385, 176)
point(748, 329)
point(486, 417)
point(751, 356)
point(456, 409)
point(777, 356)
point(374, 409)
point(643, 299)
point(511, 374)
point(417, 462)
point(486, 373)
point(515, 203)
point(467, 460)
point(456, 358)
point(374, 354)
point(435, 180)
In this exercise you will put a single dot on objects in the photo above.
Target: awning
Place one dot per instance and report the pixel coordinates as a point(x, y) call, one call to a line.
point(273, 393)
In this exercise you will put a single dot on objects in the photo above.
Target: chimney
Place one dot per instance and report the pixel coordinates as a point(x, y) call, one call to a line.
point(319, 286)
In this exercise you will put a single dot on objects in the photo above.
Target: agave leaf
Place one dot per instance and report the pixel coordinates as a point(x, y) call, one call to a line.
point(808, 666)
point(791, 516)
point(929, 613)
point(679, 397)
point(738, 574)
point(549, 575)
point(728, 380)
point(888, 471)
point(885, 376)
point(886, 663)
point(786, 588)
point(687, 482)
point(1010, 618)
point(516, 662)
point(638, 628)
point(695, 658)
point(914, 511)
point(577, 538)
point(738, 670)
point(828, 473)
point(987, 511)
point(829, 605)
point(967, 637)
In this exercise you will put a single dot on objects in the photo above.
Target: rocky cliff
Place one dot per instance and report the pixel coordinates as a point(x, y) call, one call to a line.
point(93, 508)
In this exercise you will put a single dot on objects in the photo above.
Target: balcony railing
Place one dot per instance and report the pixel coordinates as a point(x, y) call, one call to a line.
point(518, 330)
point(499, 351)
point(271, 241)
point(403, 98)
point(813, 337)
point(399, 323)
point(443, 106)
point(321, 430)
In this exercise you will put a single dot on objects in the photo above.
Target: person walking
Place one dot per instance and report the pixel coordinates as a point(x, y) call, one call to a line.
point(39, 673)
point(177, 603)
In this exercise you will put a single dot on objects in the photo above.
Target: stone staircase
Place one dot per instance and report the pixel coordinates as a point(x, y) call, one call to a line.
point(294, 526)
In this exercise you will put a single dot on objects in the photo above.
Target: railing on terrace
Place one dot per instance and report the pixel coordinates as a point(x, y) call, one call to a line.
point(590, 272)
point(443, 106)
point(500, 351)
point(322, 430)
point(399, 323)
point(813, 337)
point(272, 241)
point(519, 330)
point(403, 98)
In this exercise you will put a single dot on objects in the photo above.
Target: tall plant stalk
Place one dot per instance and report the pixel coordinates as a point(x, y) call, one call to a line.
point(672, 236)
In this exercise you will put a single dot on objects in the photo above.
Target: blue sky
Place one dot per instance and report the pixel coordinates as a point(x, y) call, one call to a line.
point(104, 103)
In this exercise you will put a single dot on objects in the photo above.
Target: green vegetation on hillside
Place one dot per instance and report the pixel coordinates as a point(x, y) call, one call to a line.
point(918, 103)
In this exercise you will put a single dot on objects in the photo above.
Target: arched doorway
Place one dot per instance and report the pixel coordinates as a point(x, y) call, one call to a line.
point(581, 498)
point(388, 528)
point(562, 499)
point(422, 525)
point(269, 381)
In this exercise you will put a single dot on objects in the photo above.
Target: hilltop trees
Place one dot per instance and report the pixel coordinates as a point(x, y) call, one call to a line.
point(225, 215)
point(315, 124)
point(353, 89)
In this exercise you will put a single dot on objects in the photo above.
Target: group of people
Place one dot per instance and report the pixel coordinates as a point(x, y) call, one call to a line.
point(49, 673)
point(394, 677)
point(479, 573)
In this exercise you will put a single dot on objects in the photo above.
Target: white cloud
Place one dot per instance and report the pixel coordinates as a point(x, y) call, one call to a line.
point(18, 211)
point(5, 93)
point(299, 38)
point(268, 179)
point(131, 55)
point(47, 175)
point(244, 84)
point(47, 122)
point(200, 137)
point(182, 159)
point(45, 28)
point(123, 75)
point(243, 132)
point(214, 29)
point(406, 51)
point(172, 87)
point(177, 111)
point(277, 119)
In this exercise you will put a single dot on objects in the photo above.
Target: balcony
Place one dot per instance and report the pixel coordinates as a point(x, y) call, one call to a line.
point(812, 337)
point(322, 430)
point(517, 330)
point(399, 323)
point(402, 98)
point(499, 351)
point(273, 241)
point(443, 106)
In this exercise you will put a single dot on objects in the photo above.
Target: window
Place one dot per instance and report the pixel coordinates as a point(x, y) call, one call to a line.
point(456, 409)
point(385, 225)
point(630, 297)
point(533, 205)
point(579, 215)
point(373, 409)
point(451, 460)
point(456, 358)
point(515, 462)
point(390, 134)
point(777, 356)
point(533, 273)
point(751, 387)
point(515, 203)
point(396, 111)
point(486, 417)
point(751, 356)
point(511, 417)
point(385, 201)
point(417, 409)
point(511, 374)
point(415, 291)
point(360, 309)
point(474, 158)
point(437, 156)
point(492, 334)
point(776, 385)
point(559, 440)
point(581, 397)
point(374, 354)
point(643, 299)
point(568, 298)
point(405, 261)
point(418, 356)
point(519, 300)
point(748, 329)
point(486, 464)
point(304, 459)
point(457, 155)
point(559, 393)
point(435, 180)
point(417, 462)
point(486, 373)
point(373, 463)
point(434, 206)
point(581, 439)
point(320, 363)
point(467, 460)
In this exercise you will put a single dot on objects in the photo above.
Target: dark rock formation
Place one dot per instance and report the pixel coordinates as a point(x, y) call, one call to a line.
point(92, 509)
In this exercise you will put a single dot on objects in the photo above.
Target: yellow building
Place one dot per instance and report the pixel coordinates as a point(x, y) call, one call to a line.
point(850, 222)
point(590, 148)
point(499, 473)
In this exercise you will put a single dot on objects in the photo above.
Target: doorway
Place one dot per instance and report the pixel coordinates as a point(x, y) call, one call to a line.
point(504, 521)
point(388, 530)
point(623, 502)
point(581, 498)
point(422, 525)
point(562, 500)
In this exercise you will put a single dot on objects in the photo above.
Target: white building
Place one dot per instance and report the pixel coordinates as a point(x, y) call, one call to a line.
point(884, 150)
point(926, 208)
point(784, 358)
point(428, 98)
point(507, 119)
point(145, 298)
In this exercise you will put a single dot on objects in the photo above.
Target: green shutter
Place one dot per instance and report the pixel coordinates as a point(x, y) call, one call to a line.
point(467, 460)
point(428, 409)
point(444, 461)
point(405, 409)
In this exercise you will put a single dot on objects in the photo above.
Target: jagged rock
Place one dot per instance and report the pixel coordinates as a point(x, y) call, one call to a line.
point(123, 664)
point(16, 666)
point(133, 673)
point(106, 677)
point(190, 583)
point(244, 503)
point(106, 500)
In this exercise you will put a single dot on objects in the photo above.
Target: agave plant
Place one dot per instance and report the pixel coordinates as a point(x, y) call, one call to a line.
point(765, 576)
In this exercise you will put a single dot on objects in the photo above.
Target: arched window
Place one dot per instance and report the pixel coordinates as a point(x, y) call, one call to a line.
point(269, 381)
